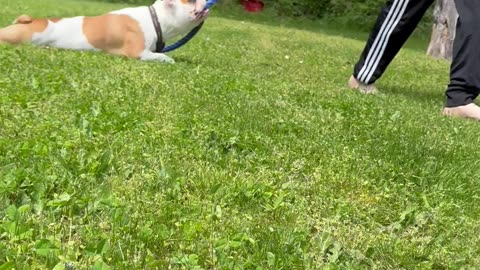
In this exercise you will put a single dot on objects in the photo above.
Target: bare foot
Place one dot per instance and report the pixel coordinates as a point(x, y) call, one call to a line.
point(361, 87)
point(470, 111)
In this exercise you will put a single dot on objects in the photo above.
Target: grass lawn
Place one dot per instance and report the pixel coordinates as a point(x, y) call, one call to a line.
point(249, 153)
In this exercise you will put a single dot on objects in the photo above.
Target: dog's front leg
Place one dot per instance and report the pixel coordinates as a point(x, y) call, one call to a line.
point(151, 56)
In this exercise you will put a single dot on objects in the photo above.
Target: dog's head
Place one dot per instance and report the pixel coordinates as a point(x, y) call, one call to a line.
point(178, 17)
point(181, 15)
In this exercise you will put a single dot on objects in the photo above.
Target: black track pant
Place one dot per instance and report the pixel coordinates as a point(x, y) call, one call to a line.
point(397, 21)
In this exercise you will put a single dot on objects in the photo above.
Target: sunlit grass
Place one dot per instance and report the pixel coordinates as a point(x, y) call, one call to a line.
point(249, 153)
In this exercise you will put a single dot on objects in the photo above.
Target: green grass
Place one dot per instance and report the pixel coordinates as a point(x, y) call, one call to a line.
point(343, 26)
point(249, 153)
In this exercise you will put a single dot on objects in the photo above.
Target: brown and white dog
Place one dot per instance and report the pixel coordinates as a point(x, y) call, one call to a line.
point(127, 32)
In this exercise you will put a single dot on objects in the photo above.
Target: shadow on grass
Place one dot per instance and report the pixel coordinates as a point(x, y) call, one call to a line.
point(436, 95)
point(327, 26)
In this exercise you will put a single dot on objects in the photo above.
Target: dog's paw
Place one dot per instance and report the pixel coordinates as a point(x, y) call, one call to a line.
point(168, 60)
point(160, 57)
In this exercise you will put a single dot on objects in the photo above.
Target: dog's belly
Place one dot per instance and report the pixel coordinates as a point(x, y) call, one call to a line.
point(65, 34)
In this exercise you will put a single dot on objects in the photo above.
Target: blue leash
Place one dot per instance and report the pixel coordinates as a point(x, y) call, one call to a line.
point(190, 35)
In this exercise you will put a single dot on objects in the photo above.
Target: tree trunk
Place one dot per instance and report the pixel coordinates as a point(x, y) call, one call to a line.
point(444, 26)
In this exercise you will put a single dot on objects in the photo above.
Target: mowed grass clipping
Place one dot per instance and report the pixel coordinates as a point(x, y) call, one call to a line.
point(249, 153)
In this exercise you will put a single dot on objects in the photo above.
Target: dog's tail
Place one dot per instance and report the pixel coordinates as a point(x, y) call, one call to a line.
point(20, 32)
point(23, 19)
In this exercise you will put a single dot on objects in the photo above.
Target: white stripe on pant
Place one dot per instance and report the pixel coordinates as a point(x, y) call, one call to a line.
point(378, 48)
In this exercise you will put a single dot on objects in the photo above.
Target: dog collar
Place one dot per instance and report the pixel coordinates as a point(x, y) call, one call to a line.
point(160, 44)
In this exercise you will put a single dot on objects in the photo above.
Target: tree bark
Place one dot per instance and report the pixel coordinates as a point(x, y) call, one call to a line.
point(444, 26)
